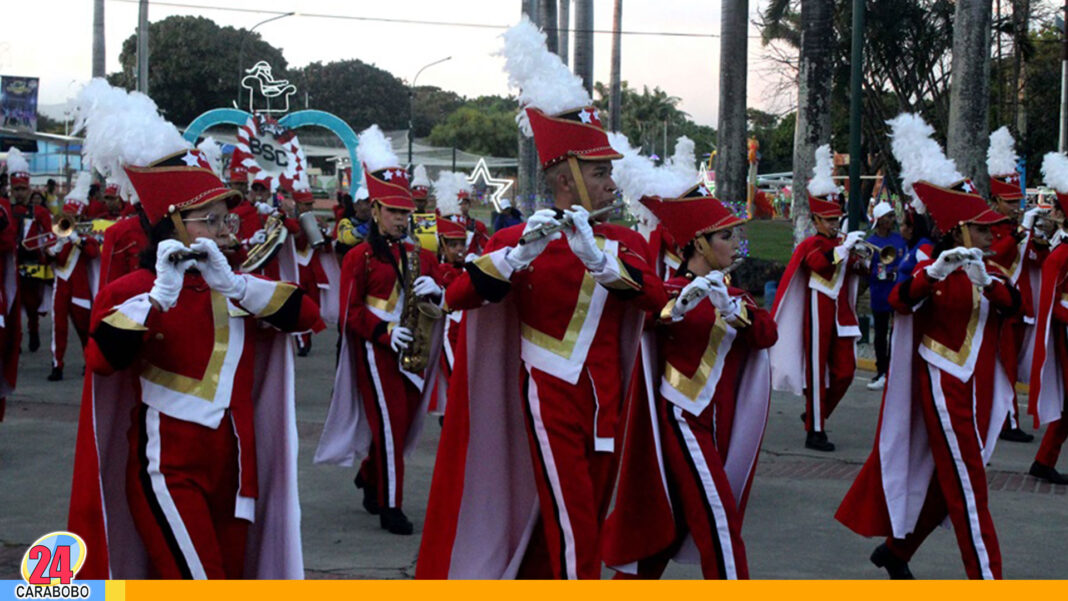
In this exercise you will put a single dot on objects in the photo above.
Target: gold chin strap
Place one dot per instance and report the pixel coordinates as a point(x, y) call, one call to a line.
point(580, 183)
point(179, 227)
point(965, 235)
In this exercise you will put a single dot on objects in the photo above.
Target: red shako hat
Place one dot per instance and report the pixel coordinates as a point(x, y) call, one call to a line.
point(389, 187)
point(420, 192)
point(1006, 187)
point(238, 173)
point(826, 206)
point(955, 205)
point(576, 133)
point(450, 230)
point(303, 196)
point(178, 182)
point(111, 190)
point(693, 214)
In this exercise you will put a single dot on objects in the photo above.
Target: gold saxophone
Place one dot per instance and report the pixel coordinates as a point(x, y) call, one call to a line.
point(419, 316)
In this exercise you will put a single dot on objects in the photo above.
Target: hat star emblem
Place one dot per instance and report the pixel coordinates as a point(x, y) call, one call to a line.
point(703, 191)
point(388, 175)
point(968, 187)
point(191, 159)
point(1012, 179)
point(586, 115)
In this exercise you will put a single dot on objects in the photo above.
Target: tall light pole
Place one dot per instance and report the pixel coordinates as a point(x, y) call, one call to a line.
point(411, 95)
point(241, 51)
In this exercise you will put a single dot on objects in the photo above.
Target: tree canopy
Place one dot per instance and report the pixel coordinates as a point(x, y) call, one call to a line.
point(485, 125)
point(652, 116)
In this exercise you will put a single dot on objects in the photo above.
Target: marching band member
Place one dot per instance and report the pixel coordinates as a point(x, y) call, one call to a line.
point(420, 189)
point(947, 393)
point(72, 293)
point(477, 234)
point(1049, 367)
point(10, 331)
point(32, 222)
point(1012, 251)
point(184, 359)
point(355, 222)
point(313, 279)
point(526, 463)
point(815, 309)
point(704, 423)
point(123, 241)
point(377, 409)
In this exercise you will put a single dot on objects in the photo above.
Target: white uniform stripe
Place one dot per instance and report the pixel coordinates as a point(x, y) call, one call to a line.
point(814, 364)
point(55, 362)
point(723, 531)
point(542, 437)
point(962, 471)
point(163, 496)
point(387, 427)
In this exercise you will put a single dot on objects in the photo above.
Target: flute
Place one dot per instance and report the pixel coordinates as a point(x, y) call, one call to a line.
point(696, 294)
point(564, 222)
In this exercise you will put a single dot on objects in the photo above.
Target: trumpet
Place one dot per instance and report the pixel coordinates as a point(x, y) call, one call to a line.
point(866, 250)
point(309, 224)
point(64, 227)
point(564, 222)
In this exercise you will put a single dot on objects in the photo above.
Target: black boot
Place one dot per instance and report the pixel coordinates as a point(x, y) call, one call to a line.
point(56, 375)
point(394, 520)
point(370, 496)
point(1047, 473)
point(896, 568)
point(303, 349)
point(817, 441)
point(1015, 435)
point(35, 341)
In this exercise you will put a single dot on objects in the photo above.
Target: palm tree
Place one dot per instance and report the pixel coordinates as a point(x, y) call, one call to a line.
point(969, 100)
point(564, 32)
point(583, 66)
point(98, 39)
point(731, 155)
point(547, 17)
point(815, 79)
point(614, 97)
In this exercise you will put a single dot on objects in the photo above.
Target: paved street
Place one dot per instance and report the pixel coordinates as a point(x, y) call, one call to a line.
point(789, 530)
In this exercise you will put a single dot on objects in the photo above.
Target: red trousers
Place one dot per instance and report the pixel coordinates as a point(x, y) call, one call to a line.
point(703, 501)
point(833, 359)
point(1052, 441)
point(574, 481)
point(1017, 330)
point(959, 483)
point(391, 404)
point(181, 484)
point(63, 307)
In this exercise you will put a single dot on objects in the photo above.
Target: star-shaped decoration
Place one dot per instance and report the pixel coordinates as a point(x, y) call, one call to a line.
point(586, 115)
point(387, 175)
point(703, 190)
point(191, 159)
point(968, 187)
point(1013, 179)
point(500, 185)
point(706, 177)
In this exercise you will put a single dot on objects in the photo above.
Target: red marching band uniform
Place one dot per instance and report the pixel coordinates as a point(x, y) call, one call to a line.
point(10, 307)
point(527, 459)
point(185, 464)
point(694, 428)
point(377, 409)
point(946, 397)
point(815, 309)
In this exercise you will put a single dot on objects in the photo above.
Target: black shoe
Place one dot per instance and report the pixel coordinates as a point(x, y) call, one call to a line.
point(1016, 435)
point(1047, 473)
point(817, 441)
point(394, 520)
point(35, 342)
point(370, 496)
point(56, 375)
point(441, 421)
point(804, 416)
point(302, 351)
point(896, 568)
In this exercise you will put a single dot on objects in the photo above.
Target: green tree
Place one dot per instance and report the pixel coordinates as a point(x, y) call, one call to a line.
point(194, 64)
point(359, 93)
point(430, 106)
point(485, 126)
point(645, 116)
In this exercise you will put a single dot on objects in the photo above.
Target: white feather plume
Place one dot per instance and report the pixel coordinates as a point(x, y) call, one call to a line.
point(684, 159)
point(637, 176)
point(80, 192)
point(920, 155)
point(1055, 171)
point(1001, 156)
point(447, 189)
point(122, 128)
point(543, 80)
point(361, 193)
point(212, 151)
point(375, 151)
point(16, 161)
point(419, 177)
point(822, 182)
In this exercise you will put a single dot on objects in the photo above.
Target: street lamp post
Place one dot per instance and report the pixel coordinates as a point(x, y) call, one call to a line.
point(411, 95)
point(241, 51)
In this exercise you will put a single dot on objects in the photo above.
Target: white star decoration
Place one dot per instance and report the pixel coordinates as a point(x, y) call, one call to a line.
point(703, 191)
point(968, 187)
point(500, 185)
point(1013, 179)
point(191, 159)
point(388, 175)
point(586, 115)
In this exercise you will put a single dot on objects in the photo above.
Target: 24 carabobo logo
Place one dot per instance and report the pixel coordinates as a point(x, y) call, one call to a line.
point(53, 561)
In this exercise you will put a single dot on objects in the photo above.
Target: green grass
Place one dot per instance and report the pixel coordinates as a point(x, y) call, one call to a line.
point(770, 239)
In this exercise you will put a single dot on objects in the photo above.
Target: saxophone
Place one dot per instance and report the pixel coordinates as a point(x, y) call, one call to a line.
point(419, 316)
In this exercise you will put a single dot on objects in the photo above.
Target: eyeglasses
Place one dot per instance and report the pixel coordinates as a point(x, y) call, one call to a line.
point(229, 221)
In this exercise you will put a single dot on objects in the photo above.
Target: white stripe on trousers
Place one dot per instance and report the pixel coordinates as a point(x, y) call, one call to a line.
point(962, 470)
point(387, 427)
point(54, 328)
point(163, 496)
point(542, 437)
point(814, 363)
point(723, 531)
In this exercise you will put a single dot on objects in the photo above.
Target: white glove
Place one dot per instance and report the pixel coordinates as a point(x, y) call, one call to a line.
point(720, 298)
point(580, 239)
point(264, 209)
point(399, 339)
point(1031, 215)
point(522, 255)
point(948, 261)
point(259, 237)
point(691, 296)
point(977, 274)
point(74, 237)
point(217, 272)
point(169, 276)
point(851, 239)
point(425, 285)
point(470, 257)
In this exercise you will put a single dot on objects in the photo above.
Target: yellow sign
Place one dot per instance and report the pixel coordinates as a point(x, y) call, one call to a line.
point(425, 228)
